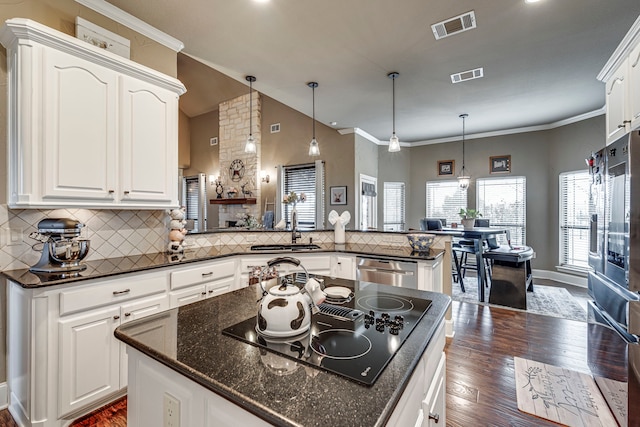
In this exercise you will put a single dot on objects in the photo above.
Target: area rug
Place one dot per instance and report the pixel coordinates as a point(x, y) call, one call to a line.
point(546, 300)
point(615, 393)
point(111, 415)
point(561, 395)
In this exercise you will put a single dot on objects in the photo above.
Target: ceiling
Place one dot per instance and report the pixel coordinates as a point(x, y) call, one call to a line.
point(540, 60)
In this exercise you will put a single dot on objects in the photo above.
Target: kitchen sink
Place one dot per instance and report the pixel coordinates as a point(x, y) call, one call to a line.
point(285, 247)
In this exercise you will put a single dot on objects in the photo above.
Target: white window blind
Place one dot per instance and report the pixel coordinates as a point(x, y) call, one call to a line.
point(394, 202)
point(503, 201)
point(574, 219)
point(445, 199)
point(301, 179)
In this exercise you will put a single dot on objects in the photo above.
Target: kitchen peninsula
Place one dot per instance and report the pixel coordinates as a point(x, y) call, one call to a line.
point(182, 355)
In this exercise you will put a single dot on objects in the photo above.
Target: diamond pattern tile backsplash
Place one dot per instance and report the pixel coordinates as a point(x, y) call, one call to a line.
point(113, 233)
point(119, 233)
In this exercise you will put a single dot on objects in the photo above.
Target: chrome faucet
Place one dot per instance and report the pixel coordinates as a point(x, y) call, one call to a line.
point(295, 234)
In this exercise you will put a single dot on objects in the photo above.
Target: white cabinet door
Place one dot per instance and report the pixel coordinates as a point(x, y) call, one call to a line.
point(616, 96)
point(149, 152)
point(137, 310)
point(434, 404)
point(220, 286)
point(89, 358)
point(634, 87)
point(78, 128)
point(314, 263)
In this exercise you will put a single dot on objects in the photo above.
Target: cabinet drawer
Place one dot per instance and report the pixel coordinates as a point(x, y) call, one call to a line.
point(111, 291)
point(202, 274)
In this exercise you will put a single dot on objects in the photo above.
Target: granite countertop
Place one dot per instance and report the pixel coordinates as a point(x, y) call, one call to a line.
point(113, 266)
point(235, 370)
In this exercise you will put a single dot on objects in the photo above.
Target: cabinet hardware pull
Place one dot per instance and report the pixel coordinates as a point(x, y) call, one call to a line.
point(127, 314)
point(626, 122)
point(111, 191)
point(207, 274)
point(434, 417)
point(211, 291)
point(126, 192)
point(204, 293)
point(126, 291)
point(116, 317)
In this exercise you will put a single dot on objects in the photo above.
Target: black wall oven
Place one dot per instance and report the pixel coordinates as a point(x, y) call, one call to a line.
point(614, 283)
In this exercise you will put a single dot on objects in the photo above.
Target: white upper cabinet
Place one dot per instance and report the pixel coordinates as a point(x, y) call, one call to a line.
point(87, 128)
point(621, 75)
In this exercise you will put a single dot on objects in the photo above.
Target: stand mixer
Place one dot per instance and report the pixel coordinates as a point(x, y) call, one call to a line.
point(62, 249)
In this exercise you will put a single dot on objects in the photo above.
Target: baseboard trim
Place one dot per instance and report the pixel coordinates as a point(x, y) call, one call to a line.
point(448, 329)
point(4, 396)
point(569, 279)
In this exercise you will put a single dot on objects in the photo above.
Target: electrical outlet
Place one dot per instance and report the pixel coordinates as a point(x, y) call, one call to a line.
point(251, 238)
point(14, 236)
point(171, 411)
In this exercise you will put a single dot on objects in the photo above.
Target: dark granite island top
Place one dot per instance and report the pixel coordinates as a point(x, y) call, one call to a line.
point(235, 370)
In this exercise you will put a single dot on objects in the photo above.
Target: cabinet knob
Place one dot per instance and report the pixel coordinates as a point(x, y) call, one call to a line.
point(127, 314)
point(111, 191)
point(434, 417)
point(116, 317)
point(126, 192)
point(211, 291)
point(204, 293)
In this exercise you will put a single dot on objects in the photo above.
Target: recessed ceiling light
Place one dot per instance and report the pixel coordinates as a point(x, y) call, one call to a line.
point(261, 1)
point(531, 1)
point(333, 123)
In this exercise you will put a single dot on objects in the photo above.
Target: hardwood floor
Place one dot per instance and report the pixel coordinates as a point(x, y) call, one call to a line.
point(480, 368)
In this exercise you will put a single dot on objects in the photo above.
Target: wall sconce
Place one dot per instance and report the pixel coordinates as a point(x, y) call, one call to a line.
point(264, 176)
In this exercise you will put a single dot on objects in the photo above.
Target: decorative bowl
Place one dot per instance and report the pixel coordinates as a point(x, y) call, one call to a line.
point(421, 242)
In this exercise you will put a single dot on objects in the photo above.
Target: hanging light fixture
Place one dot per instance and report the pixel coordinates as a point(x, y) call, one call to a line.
point(463, 179)
point(394, 142)
point(314, 149)
point(250, 145)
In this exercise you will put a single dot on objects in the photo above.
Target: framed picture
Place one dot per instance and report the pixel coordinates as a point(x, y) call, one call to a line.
point(446, 167)
point(500, 164)
point(338, 195)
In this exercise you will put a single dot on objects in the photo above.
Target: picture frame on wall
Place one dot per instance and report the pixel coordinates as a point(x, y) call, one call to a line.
point(446, 167)
point(500, 164)
point(338, 195)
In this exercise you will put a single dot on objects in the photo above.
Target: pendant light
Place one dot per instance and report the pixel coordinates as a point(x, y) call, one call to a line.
point(463, 179)
point(394, 142)
point(314, 149)
point(250, 145)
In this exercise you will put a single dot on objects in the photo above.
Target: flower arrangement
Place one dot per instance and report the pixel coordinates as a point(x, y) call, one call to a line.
point(247, 220)
point(293, 198)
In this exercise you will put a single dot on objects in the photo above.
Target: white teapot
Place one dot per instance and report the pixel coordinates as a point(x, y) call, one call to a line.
point(285, 309)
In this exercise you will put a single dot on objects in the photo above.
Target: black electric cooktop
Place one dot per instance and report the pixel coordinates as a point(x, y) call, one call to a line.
point(355, 337)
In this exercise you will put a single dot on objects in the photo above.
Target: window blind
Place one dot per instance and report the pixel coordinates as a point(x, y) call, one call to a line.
point(574, 219)
point(301, 179)
point(445, 199)
point(191, 201)
point(503, 201)
point(394, 205)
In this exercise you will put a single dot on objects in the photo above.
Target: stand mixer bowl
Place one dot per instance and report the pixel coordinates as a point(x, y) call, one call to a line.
point(68, 251)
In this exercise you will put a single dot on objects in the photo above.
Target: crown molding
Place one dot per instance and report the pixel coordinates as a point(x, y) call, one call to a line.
point(622, 51)
point(122, 17)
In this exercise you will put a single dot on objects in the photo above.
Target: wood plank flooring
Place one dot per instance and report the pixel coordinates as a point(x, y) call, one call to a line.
point(480, 367)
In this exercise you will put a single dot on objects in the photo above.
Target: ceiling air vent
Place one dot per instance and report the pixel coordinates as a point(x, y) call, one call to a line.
point(467, 75)
point(455, 25)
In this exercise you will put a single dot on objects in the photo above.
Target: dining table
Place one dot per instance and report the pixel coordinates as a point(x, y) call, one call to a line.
point(478, 235)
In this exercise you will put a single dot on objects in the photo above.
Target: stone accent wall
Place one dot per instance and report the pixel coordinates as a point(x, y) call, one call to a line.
point(234, 130)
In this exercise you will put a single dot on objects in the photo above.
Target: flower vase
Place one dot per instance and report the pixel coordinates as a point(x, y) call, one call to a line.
point(467, 223)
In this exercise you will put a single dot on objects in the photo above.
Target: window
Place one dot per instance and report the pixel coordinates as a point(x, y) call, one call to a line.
point(394, 217)
point(368, 202)
point(503, 201)
point(445, 199)
point(308, 179)
point(574, 219)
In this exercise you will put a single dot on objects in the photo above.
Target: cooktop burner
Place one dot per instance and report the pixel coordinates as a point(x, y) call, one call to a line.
point(356, 339)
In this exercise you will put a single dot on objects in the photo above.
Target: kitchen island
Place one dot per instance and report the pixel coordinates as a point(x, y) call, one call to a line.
point(181, 357)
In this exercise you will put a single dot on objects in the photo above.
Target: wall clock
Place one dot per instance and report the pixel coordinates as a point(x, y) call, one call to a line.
point(236, 170)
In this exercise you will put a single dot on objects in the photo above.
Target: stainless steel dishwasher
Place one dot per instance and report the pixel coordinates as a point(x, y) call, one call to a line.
point(387, 271)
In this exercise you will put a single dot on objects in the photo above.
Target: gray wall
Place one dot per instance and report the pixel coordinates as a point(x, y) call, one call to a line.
point(539, 156)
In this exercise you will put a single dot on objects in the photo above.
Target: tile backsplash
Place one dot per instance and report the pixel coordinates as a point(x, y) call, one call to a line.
point(119, 233)
point(113, 233)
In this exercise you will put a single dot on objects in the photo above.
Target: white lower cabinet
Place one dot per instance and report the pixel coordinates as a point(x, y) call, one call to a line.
point(434, 404)
point(430, 275)
point(202, 280)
